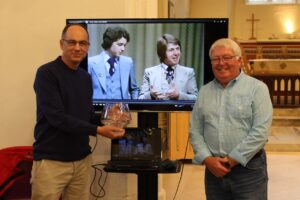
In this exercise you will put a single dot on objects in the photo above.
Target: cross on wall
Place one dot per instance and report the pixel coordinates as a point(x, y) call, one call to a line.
point(252, 20)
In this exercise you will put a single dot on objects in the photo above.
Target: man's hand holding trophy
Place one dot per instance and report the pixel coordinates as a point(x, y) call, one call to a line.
point(115, 117)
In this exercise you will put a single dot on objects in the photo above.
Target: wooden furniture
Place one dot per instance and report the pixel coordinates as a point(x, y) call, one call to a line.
point(274, 66)
point(284, 89)
point(277, 63)
point(178, 135)
point(269, 49)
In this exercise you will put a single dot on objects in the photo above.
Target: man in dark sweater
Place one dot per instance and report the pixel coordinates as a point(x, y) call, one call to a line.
point(62, 155)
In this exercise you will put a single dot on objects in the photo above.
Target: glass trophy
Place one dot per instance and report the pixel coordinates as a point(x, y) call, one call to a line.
point(116, 114)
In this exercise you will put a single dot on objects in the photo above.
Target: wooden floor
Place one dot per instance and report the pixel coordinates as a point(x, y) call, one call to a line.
point(284, 135)
point(283, 170)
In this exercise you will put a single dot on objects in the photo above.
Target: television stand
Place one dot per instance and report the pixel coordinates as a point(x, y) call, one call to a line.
point(147, 179)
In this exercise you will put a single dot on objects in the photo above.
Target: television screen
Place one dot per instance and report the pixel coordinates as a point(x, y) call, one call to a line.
point(150, 64)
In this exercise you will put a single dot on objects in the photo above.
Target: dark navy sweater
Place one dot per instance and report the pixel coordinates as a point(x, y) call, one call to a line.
point(64, 112)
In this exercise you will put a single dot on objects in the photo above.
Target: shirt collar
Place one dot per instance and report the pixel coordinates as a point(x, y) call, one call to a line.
point(232, 81)
point(166, 66)
point(239, 76)
point(107, 56)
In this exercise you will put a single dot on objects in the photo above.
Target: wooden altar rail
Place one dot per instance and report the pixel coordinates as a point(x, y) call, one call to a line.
point(284, 89)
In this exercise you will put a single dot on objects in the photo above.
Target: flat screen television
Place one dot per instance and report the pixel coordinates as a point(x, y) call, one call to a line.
point(195, 35)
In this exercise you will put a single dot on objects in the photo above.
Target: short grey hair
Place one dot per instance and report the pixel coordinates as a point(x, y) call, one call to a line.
point(227, 43)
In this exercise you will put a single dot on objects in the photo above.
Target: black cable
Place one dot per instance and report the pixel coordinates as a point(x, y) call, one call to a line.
point(101, 193)
point(101, 186)
point(93, 149)
point(95, 175)
point(181, 173)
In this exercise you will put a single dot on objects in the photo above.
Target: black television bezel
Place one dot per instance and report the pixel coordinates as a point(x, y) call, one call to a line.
point(211, 34)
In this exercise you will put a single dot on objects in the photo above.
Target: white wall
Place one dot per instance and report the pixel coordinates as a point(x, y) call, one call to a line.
point(272, 20)
point(211, 9)
point(272, 17)
point(29, 37)
point(179, 8)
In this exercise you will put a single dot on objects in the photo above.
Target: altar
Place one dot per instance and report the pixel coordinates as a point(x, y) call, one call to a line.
point(274, 66)
point(264, 54)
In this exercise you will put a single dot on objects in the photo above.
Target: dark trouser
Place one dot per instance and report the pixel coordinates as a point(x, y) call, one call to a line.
point(242, 183)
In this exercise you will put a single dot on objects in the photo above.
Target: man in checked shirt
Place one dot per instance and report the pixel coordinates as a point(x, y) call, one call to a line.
point(229, 128)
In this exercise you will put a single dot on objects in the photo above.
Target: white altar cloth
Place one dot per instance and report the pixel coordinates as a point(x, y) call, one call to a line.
point(274, 66)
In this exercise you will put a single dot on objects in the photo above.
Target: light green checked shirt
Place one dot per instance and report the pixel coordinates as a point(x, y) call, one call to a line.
point(231, 121)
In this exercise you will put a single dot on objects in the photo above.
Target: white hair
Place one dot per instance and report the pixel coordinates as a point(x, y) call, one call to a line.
point(227, 43)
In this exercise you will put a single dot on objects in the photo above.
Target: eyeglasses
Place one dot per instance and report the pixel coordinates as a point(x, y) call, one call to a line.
point(73, 43)
point(225, 59)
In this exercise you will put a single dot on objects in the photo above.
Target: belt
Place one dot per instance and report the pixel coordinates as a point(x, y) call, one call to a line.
point(258, 154)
